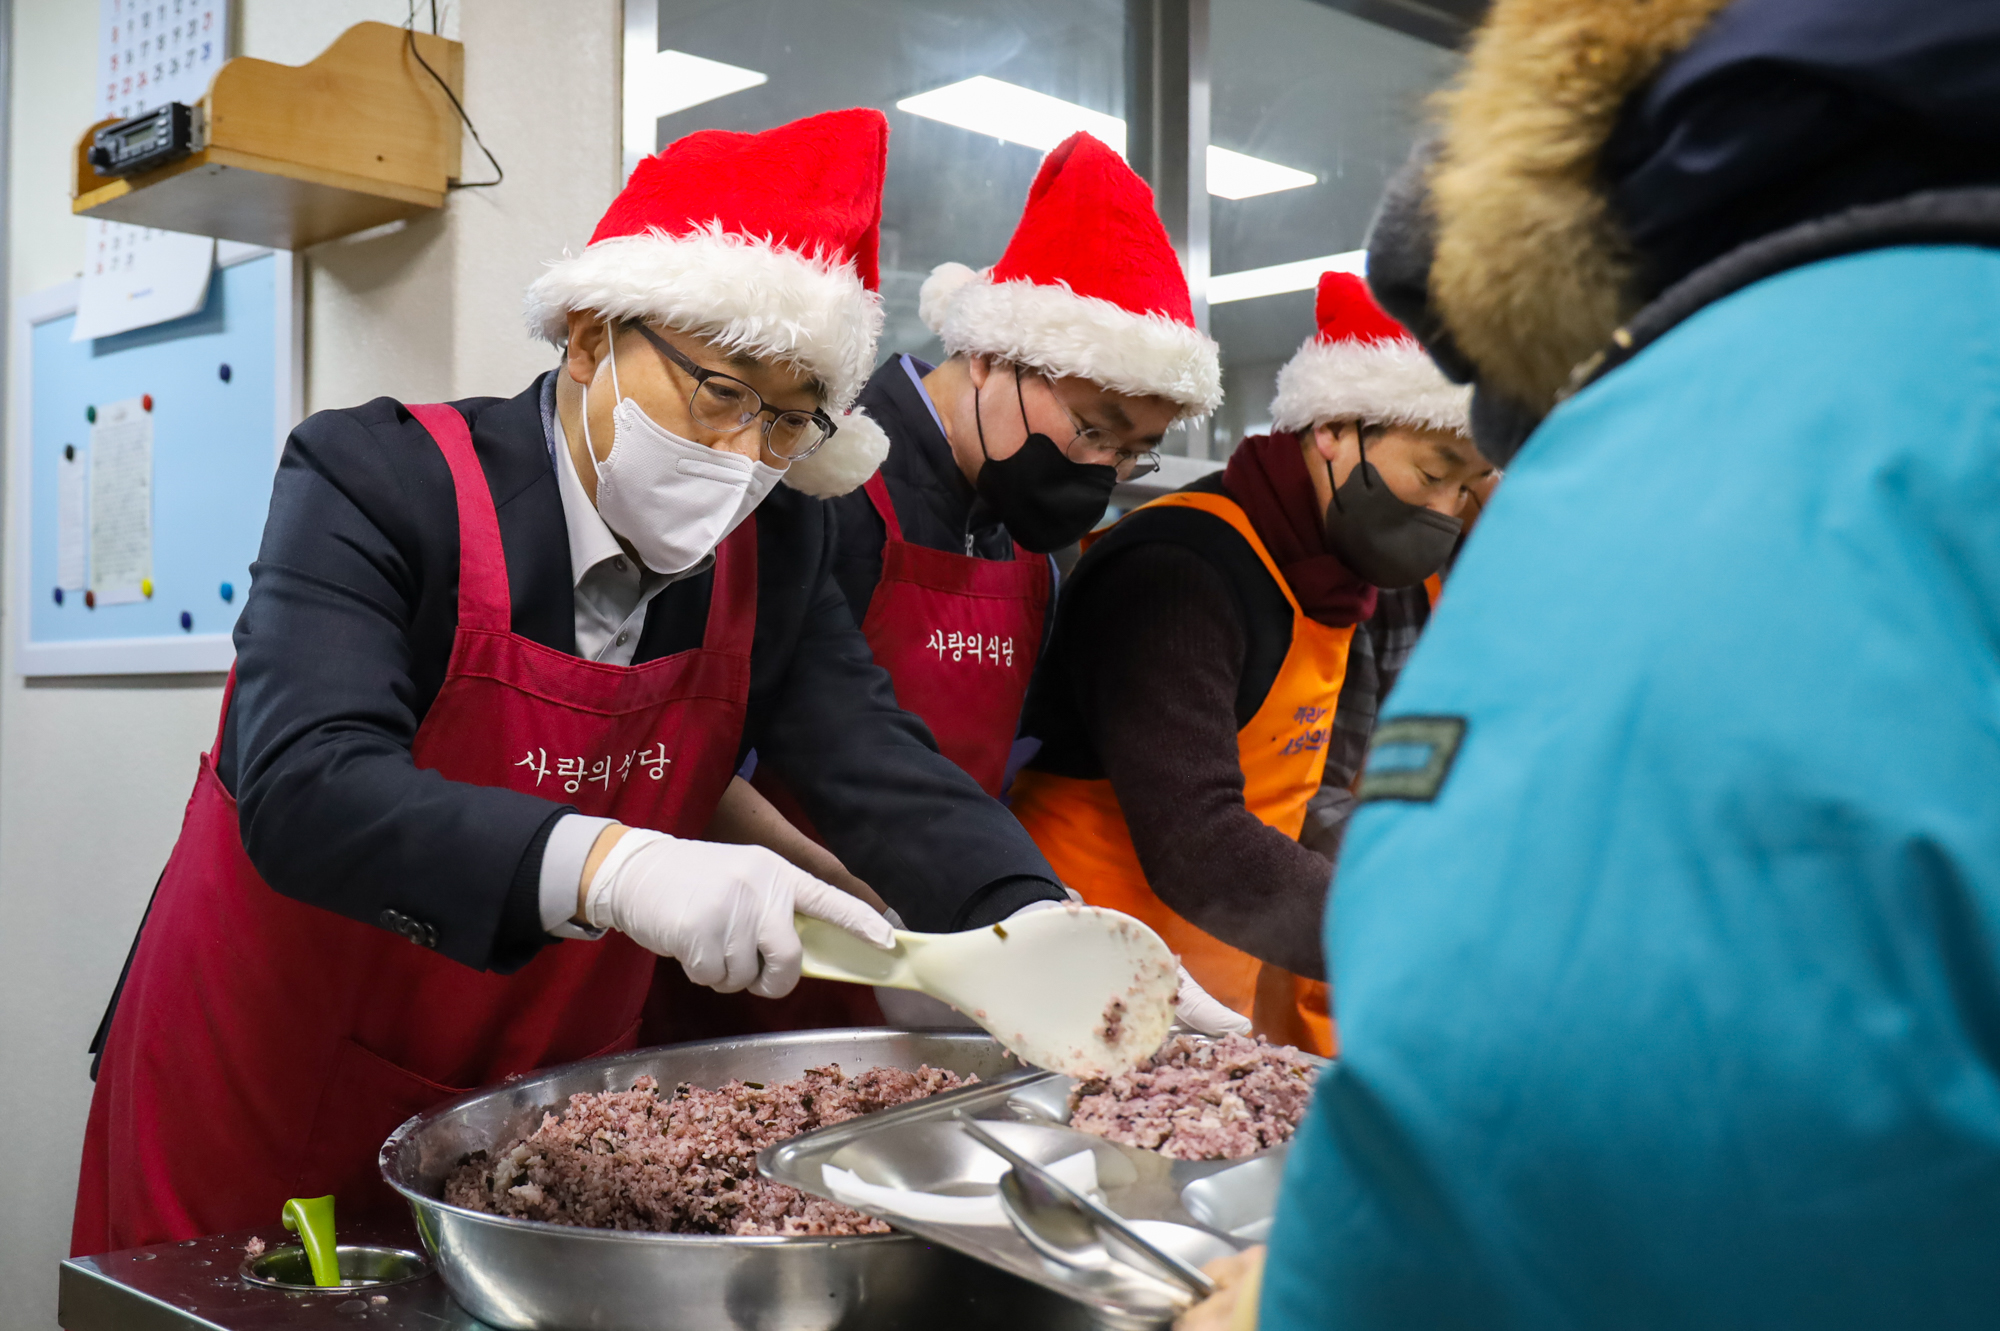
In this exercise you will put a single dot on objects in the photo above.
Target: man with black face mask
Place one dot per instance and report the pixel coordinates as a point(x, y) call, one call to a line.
point(1210, 648)
point(1069, 359)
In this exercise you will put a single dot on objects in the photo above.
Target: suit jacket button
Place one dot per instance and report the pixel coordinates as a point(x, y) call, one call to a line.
point(428, 936)
point(392, 919)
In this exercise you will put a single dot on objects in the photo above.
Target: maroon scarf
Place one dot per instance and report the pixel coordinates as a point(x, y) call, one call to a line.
point(1267, 476)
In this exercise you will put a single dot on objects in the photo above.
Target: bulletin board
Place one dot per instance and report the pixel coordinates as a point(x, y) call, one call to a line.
point(221, 390)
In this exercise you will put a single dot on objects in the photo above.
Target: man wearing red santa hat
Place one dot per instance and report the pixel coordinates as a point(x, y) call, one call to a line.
point(499, 662)
point(1068, 360)
point(1202, 651)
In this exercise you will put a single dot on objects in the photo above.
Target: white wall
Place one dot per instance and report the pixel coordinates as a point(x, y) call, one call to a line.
point(93, 774)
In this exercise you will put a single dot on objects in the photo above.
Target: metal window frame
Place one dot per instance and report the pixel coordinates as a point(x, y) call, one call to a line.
point(1168, 96)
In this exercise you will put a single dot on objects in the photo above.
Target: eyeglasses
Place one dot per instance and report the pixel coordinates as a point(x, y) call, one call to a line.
point(1093, 447)
point(726, 405)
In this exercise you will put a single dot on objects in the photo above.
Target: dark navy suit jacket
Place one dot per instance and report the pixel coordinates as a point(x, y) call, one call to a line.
point(343, 644)
point(935, 504)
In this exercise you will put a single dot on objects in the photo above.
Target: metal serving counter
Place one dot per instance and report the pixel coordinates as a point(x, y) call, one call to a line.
point(195, 1286)
point(555, 1278)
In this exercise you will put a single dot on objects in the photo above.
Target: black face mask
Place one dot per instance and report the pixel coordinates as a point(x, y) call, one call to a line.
point(1046, 500)
point(1385, 541)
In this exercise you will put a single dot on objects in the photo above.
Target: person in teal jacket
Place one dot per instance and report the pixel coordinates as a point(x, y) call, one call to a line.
point(1666, 948)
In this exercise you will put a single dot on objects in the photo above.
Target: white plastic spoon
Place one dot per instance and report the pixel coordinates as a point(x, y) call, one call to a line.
point(1077, 990)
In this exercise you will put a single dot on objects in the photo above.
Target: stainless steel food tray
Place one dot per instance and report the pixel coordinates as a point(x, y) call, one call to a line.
point(541, 1277)
point(1199, 1209)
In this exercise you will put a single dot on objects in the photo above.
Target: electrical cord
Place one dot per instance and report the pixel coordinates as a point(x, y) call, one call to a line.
point(410, 35)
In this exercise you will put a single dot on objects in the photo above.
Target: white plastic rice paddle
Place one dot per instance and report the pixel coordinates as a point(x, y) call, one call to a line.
point(1077, 990)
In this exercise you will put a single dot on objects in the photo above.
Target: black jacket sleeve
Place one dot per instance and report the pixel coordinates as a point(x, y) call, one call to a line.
point(330, 691)
point(346, 639)
point(897, 812)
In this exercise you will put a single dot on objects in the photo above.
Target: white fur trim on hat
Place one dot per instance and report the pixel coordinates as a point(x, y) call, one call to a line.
point(935, 297)
point(1052, 329)
point(845, 461)
point(741, 292)
point(1379, 383)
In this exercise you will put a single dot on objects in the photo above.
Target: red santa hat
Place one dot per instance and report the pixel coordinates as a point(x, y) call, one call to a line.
point(761, 243)
point(1089, 286)
point(1364, 366)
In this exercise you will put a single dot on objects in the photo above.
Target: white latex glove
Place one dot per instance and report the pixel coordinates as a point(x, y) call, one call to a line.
point(1197, 1009)
point(724, 912)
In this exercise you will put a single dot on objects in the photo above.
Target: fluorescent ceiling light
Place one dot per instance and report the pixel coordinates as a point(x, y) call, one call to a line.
point(659, 83)
point(1279, 278)
point(1011, 112)
point(1233, 175)
point(1014, 114)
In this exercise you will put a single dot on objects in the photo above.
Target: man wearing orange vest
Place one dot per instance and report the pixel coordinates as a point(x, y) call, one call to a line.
point(1188, 699)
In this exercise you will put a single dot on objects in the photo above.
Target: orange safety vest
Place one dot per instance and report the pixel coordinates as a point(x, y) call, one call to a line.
point(1080, 828)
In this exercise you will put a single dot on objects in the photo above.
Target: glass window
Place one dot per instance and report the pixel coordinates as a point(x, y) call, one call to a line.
point(1304, 85)
point(953, 192)
point(1312, 110)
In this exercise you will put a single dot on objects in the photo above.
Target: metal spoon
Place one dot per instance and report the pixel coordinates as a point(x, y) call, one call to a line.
point(1065, 1225)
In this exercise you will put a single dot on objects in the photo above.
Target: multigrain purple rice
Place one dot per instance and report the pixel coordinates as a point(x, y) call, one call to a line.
point(684, 1163)
point(1199, 1099)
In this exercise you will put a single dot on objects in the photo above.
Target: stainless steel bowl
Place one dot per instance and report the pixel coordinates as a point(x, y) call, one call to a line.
point(525, 1275)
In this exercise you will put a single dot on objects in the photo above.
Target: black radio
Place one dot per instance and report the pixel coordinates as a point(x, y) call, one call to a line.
point(144, 142)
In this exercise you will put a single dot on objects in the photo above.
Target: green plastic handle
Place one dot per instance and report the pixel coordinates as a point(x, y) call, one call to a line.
point(311, 1218)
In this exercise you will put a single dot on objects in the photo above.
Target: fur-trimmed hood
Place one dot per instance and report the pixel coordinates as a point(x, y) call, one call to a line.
point(1531, 273)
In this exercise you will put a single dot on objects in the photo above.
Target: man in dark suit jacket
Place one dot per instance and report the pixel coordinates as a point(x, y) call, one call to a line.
point(497, 665)
point(345, 640)
point(701, 358)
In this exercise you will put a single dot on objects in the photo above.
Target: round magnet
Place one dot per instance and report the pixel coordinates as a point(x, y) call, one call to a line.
point(228, 591)
point(90, 414)
point(90, 600)
point(146, 588)
point(187, 622)
point(224, 373)
point(69, 452)
point(146, 401)
point(58, 596)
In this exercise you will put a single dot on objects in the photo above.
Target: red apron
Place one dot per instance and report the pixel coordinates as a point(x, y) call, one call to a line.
point(959, 636)
point(263, 1048)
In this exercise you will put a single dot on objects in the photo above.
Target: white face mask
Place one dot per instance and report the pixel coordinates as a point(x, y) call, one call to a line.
point(673, 499)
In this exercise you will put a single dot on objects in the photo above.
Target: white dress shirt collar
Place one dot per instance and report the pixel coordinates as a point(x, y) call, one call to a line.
point(590, 541)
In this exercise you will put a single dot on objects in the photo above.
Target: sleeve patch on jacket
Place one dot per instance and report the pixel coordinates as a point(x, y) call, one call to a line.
point(1410, 757)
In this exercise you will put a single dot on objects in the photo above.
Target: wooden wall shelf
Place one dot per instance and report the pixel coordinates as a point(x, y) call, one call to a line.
point(299, 154)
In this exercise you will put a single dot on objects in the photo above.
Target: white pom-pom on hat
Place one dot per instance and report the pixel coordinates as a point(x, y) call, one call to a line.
point(845, 461)
point(944, 283)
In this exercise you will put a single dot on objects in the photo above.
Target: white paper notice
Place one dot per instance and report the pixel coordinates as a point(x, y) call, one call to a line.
point(121, 502)
point(72, 522)
point(138, 276)
point(149, 53)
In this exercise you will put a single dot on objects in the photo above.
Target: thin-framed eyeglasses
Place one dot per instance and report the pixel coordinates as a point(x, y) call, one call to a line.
point(1091, 446)
point(726, 404)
